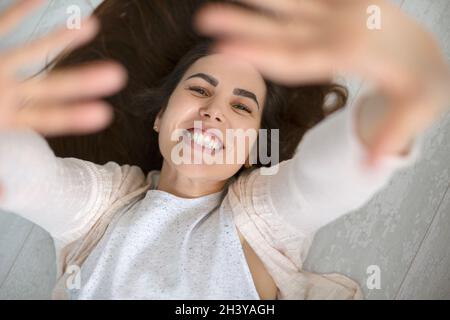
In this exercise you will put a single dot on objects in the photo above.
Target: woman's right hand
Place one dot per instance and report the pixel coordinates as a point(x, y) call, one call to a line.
point(59, 102)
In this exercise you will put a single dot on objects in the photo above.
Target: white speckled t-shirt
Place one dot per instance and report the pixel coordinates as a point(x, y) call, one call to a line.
point(167, 247)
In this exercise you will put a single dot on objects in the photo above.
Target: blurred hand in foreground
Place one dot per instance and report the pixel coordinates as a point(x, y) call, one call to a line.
point(296, 42)
point(58, 102)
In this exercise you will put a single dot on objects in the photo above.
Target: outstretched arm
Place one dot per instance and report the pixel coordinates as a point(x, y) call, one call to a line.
point(62, 195)
point(328, 176)
point(303, 42)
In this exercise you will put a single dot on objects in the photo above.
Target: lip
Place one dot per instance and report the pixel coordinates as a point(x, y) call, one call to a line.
point(186, 139)
point(208, 132)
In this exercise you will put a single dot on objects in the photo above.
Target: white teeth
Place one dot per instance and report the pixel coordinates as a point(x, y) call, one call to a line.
point(204, 140)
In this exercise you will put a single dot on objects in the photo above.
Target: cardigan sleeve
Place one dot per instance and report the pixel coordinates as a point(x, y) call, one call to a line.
point(326, 177)
point(62, 195)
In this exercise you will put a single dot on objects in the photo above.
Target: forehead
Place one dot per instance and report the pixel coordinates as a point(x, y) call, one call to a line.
point(230, 72)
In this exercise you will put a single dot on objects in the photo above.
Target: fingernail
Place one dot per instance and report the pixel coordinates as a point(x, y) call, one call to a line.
point(93, 23)
point(206, 17)
point(103, 114)
point(115, 73)
point(97, 117)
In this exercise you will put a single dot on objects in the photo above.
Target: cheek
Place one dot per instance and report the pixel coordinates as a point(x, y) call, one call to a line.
point(243, 139)
point(174, 105)
point(181, 106)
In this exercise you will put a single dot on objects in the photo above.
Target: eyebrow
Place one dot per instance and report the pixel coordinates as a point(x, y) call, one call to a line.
point(214, 82)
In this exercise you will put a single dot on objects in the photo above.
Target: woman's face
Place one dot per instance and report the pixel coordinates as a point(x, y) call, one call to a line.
point(221, 94)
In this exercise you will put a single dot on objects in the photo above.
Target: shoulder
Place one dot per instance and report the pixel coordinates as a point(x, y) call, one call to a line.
point(117, 180)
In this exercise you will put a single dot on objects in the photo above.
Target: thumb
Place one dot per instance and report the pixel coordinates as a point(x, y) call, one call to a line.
point(401, 125)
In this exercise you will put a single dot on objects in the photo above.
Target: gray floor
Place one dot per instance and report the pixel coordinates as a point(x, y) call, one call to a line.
point(404, 229)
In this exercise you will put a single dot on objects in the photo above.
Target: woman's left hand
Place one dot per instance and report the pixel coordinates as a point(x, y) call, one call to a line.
point(303, 41)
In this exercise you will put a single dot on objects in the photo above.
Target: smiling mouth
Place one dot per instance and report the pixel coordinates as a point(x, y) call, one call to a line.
point(203, 139)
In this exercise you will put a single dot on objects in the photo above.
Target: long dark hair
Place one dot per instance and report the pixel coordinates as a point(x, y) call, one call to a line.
point(155, 41)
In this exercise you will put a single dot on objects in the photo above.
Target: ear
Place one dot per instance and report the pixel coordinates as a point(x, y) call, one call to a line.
point(156, 125)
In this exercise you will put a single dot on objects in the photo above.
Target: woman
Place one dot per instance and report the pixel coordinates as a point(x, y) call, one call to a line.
point(217, 230)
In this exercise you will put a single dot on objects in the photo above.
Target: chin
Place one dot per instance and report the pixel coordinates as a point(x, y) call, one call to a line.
point(205, 171)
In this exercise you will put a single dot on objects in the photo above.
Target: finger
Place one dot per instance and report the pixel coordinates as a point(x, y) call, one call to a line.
point(89, 81)
point(226, 20)
point(16, 13)
point(78, 118)
point(40, 49)
point(285, 63)
point(402, 124)
point(289, 7)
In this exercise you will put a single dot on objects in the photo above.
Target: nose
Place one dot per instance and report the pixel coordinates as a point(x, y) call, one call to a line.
point(212, 113)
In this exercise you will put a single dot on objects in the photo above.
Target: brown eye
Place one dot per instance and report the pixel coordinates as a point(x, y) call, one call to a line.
point(200, 90)
point(242, 107)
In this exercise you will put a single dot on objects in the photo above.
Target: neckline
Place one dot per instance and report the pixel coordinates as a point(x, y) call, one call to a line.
point(166, 194)
point(153, 179)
